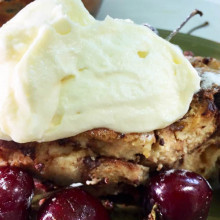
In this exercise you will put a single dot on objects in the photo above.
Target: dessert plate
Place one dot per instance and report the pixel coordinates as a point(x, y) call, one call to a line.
point(200, 47)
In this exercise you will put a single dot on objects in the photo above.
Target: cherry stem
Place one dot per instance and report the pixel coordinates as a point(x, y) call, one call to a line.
point(36, 199)
point(172, 34)
point(206, 23)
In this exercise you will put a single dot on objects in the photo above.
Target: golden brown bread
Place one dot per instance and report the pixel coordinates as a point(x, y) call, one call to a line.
point(204, 160)
point(66, 164)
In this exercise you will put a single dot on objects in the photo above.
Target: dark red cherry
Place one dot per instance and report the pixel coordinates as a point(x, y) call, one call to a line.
point(16, 191)
point(72, 204)
point(178, 194)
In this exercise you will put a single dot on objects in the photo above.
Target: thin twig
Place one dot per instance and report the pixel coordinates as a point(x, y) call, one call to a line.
point(198, 27)
point(195, 12)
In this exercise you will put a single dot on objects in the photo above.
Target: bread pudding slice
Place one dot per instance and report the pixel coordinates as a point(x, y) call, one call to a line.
point(103, 156)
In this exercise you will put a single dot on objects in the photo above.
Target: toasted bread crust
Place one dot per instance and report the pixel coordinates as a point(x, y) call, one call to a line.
point(204, 160)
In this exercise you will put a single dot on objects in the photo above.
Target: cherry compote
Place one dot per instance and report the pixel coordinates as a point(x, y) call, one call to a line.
point(178, 194)
point(72, 204)
point(16, 191)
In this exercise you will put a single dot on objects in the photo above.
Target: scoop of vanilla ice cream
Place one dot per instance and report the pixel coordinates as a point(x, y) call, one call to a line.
point(62, 73)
